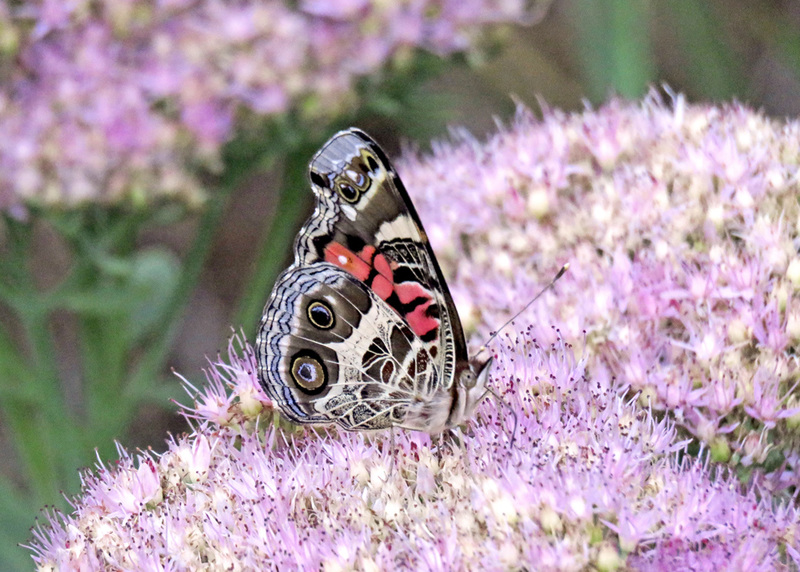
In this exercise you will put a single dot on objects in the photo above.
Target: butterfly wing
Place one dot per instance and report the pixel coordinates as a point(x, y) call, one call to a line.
point(361, 330)
point(333, 351)
point(374, 232)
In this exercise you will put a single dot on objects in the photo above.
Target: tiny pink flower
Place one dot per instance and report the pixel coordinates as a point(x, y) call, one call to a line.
point(767, 403)
point(755, 449)
point(721, 396)
point(196, 459)
point(135, 489)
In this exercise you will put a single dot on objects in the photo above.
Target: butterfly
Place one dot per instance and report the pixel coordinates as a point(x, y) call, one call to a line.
point(361, 330)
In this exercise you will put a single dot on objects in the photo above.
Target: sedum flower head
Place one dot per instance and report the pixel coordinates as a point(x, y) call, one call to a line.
point(674, 323)
point(590, 480)
point(680, 224)
point(115, 98)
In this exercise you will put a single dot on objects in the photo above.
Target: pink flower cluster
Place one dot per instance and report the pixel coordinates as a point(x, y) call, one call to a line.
point(680, 224)
point(117, 98)
point(591, 480)
point(678, 301)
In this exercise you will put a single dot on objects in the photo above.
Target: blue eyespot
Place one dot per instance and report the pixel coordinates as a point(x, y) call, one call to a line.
point(308, 372)
point(321, 315)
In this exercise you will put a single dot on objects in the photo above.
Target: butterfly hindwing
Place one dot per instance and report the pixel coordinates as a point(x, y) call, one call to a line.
point(335, 352)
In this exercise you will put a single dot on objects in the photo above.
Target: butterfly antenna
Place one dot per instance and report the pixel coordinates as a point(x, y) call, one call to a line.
point(528, 305)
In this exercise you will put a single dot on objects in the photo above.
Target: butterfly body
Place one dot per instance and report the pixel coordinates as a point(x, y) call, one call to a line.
point(361, 329)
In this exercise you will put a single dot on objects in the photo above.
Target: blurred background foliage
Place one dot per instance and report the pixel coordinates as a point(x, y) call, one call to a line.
point(100, 303)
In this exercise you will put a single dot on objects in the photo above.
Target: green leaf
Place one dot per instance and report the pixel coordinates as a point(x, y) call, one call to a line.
point(615, 51)
point(710, 68)
point(153, 282)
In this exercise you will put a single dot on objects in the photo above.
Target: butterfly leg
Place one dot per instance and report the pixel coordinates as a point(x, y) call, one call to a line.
point(449, 440)
point(500, 401)
point(392, 452)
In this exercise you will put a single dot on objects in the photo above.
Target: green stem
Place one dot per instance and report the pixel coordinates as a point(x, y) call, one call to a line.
point(289, 212)
point(710, 67)
point(241, 159)
point(105, 353)
point(151, 363)
point(41, 416)
point(616, 54)
point(21, 405)
point(14, 526)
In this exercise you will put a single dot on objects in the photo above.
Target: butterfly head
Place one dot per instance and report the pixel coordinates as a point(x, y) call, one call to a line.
point(471, 388)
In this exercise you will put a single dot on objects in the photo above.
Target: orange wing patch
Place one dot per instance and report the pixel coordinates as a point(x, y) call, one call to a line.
point(377, 272)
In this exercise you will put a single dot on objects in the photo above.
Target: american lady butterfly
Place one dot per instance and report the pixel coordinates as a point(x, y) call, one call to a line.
point(361, 329)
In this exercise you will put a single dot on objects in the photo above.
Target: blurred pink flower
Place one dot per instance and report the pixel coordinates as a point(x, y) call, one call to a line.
point(117, 99)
